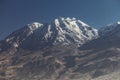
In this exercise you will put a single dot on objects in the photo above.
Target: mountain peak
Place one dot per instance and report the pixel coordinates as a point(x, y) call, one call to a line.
point(68, 19)
point(64, 31)
point(34, 25)
point(110, 29)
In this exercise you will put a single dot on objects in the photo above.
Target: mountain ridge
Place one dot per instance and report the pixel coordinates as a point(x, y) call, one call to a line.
point(62, 31)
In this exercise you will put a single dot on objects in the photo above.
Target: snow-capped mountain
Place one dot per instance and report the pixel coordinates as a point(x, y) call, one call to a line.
point(110, 29)
point(109, 36)
point(34, 52)
point(64, 31)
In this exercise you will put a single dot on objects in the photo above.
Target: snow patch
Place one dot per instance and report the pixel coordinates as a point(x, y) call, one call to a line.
point(57, 22)
point(35, 25)
point(118, 22)
point(82, 23)
point(15, 44)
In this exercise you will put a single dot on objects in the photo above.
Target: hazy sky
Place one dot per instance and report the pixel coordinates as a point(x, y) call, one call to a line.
point(16, 13)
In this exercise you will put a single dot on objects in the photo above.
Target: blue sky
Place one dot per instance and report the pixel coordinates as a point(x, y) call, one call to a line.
point(16, 13)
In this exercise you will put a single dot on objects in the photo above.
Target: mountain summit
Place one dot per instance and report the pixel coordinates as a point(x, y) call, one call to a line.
point(63, 31)
point(111, 29)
